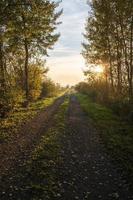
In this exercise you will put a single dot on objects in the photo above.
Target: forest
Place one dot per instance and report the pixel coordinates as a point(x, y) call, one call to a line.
point(66, 141)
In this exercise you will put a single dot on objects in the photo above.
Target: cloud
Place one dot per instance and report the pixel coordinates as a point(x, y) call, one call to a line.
point(65, 60)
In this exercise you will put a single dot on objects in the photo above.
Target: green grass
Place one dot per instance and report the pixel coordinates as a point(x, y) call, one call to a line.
point(116, 133)
point(42, 181)
point(10, 124)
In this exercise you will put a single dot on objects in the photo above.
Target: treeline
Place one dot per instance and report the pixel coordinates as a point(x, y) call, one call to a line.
point(27, 31)
point(109, 43)
point(50, 89)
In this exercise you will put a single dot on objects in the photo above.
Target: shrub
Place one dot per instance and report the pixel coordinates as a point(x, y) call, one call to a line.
point(12, 98)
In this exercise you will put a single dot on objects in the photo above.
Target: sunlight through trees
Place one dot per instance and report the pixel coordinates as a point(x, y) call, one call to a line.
point(109, 42)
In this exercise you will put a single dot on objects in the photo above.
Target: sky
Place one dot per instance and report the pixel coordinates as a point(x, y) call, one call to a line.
point(66, 62)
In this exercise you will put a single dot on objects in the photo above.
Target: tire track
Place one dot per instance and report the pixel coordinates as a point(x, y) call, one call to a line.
point(88, 172)
point(16, 152)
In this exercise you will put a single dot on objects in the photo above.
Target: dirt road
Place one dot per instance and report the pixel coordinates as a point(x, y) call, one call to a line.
point(18, 150)
point(87, 171)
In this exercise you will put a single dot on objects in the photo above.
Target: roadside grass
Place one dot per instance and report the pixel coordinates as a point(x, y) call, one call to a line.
point(116, 133)
point(10, 124)
point(41, 181)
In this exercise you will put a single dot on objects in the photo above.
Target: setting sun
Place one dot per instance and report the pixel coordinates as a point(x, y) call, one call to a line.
point(98, 69)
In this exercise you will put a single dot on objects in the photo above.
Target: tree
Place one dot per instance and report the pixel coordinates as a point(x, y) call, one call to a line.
point(34, 23)
point(37, 74)
point(27, 31)
point(109, 35)
point(49, 88)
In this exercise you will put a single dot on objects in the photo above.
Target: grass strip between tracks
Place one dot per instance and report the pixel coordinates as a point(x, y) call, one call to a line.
point(42, 180)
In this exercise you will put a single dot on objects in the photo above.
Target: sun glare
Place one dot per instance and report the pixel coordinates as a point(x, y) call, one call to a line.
point(98, 69)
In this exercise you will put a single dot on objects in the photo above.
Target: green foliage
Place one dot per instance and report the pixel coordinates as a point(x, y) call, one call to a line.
point(11, 99)
point(123, 108)
point(96, 90)
point(97, 93)
point(109, 42)
point(27, 31)
point(117, 134)
point(49, 88)
point(36, 75)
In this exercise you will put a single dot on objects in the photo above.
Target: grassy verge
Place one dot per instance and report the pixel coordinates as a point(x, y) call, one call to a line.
point(42, 180)
point(117, 134)
point(10, 125)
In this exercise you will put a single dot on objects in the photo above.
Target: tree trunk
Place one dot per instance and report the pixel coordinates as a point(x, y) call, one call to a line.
point(111, 66)
point(131, 63)
point(26, 71)
point(3, 89)
point(119, 85)
point(26, 61)
point(2, 71)
point(119, 57)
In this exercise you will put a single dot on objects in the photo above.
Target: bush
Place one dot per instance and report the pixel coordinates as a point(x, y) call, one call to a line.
point(50, 89)
point(12, 98)
point(122, 108)
point(98, 93)
point(36, 74)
